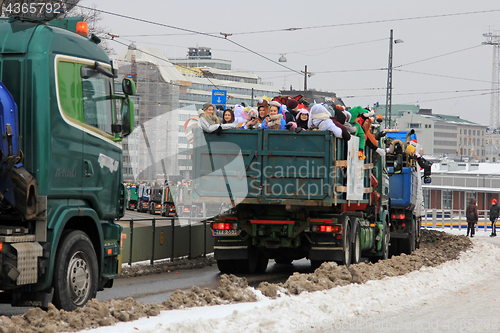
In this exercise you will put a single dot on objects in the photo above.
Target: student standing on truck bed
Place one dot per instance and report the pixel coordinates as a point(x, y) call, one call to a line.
point(494, 213)
point(472, 217)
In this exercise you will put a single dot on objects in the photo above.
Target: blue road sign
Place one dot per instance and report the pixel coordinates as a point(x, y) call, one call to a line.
point(219, 97)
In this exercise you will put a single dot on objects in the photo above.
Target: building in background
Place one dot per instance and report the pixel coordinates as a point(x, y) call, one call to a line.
point(455, 183)
point(168, 94)
point(441, 136)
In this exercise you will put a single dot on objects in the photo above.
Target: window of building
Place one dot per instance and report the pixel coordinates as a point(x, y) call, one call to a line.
point(182, 139)
point(414, 125)
point(427, 198)
point(181, 128)
point(447, 199)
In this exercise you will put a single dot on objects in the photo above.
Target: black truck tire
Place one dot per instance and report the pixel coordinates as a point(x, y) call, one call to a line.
point(385, 244)
point(226, 266)
point(315, 264)
point(262, 264)
point(347, 245)
point(250, 264)
point(76, 271)
point(408, 244)
point(356, 246)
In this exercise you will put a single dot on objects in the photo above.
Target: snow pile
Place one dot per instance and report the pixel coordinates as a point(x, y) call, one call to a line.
point(332, 309)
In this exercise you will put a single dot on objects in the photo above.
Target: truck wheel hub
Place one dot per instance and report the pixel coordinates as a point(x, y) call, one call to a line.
point(79, 277)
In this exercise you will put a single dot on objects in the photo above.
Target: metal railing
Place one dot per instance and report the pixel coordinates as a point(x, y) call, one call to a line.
point(159, 238)
point(454, 219)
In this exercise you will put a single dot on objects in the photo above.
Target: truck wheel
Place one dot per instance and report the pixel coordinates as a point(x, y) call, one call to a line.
point(76, 271)
point(385, 244)
point(249, 265)
point(356, 247)
point(409, 243)
point(283, 261)
point(347, 245)
point(262, 264)
point(226, 266)
point(315, 264)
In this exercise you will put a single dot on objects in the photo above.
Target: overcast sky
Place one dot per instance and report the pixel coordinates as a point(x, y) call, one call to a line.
point(345, 44)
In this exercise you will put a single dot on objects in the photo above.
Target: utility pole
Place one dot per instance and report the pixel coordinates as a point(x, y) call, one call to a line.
point(305, 79)
point(388, 95)
point(494, 39)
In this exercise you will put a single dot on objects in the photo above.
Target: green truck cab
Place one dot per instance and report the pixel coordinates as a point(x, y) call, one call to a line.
point(70, 126)
point(293, 195)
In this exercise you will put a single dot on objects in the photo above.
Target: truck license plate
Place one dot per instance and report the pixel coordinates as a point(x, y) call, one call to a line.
point(225, 232)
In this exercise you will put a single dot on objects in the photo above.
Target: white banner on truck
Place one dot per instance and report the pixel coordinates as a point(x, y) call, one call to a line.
point(354, 171)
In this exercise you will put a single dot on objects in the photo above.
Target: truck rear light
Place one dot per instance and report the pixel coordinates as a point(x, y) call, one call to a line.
point(1, 246)
point(328, 228)
point(158, 206)
point(224, 226)
point(339, 236)
point(398, 216)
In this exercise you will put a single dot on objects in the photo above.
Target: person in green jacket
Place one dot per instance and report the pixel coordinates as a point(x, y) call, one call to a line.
point(357, 113)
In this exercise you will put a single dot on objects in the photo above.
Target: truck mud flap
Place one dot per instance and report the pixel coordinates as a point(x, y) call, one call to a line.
point(225, 249)
point(40, 299)
point(326, 253)
point(400, 235)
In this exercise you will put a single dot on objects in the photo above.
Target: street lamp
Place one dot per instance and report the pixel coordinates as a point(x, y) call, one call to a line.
point(282, 58)
point(388, 97)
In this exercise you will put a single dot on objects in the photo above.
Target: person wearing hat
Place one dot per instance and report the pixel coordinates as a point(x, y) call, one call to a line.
point(302, 118)
point(275, 119)
point(320, 118)
point(293, 107)
point(252, 121)
point(494, 213)
point(472, 216)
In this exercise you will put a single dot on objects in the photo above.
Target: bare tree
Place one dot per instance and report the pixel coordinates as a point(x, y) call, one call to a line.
point(93, 17)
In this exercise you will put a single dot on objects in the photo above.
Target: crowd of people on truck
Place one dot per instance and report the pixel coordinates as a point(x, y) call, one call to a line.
point(290, 114)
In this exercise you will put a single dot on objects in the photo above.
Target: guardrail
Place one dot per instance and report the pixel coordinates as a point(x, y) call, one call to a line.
point(454, 219)
point(159, 238)
point(164, 237)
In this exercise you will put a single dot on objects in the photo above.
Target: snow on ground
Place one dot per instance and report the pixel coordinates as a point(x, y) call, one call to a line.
point(349, 308)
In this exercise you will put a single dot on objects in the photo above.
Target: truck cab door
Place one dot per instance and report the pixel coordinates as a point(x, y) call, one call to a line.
point(102, 164)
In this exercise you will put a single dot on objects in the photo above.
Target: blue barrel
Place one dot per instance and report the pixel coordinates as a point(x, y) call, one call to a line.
point(9, 142)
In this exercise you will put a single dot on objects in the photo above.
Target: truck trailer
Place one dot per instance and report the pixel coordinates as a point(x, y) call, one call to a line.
point(292, 195)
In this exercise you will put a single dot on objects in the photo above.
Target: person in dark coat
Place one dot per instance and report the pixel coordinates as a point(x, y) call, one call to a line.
point(494, 213)
point(472, 217)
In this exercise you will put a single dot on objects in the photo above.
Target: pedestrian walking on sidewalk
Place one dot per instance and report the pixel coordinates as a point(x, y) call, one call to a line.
point(494, 212)
point(472, 217)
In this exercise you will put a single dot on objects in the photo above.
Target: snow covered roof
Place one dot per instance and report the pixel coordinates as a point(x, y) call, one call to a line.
point(153, 56)
point(451, 167)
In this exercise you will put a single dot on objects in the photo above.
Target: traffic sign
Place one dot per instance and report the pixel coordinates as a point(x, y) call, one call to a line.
point(219, 97)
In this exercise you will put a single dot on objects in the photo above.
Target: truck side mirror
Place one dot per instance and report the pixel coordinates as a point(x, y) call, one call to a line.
point(128, 87)
point(427, 180)
point(127, 112)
